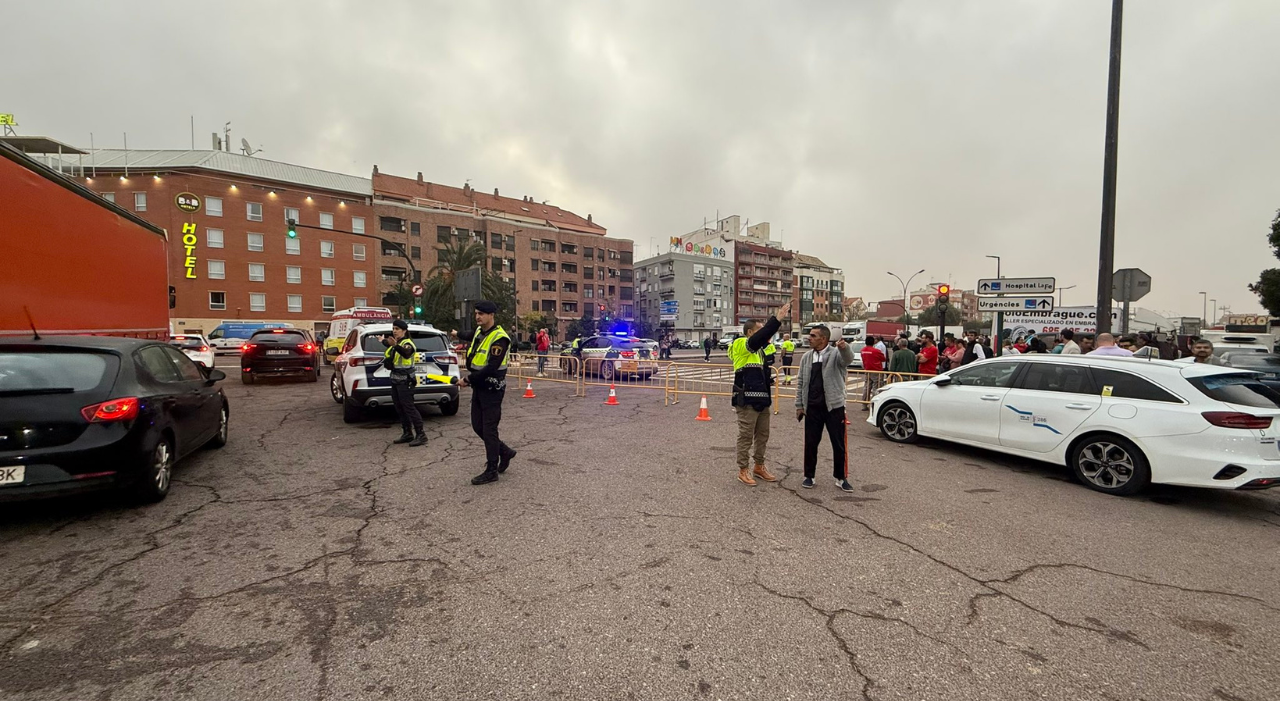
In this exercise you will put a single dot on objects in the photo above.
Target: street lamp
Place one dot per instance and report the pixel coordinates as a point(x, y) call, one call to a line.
point(1061, 290)
point(1213, 305)
point(904, 288)
point(1204, 309)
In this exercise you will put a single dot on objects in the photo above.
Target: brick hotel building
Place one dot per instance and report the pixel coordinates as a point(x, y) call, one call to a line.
point(237, 262)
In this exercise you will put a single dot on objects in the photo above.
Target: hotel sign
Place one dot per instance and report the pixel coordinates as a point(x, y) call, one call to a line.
point(187, 202)
point(189, 245)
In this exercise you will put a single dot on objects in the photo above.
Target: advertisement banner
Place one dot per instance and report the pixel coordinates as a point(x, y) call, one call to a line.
point(1078, 319)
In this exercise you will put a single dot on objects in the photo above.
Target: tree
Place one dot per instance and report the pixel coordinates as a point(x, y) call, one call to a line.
point(586, 326)
point(530, 322)
point(402, 299)
point(1268, 285)
point(929, 317)
point(439, 305)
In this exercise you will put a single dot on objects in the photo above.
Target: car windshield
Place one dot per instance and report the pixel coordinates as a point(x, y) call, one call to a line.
point(1244, 389)
point(50, 373)
point(1261, 361)
point(426, 342)
point(288, 338)
point(187, 343)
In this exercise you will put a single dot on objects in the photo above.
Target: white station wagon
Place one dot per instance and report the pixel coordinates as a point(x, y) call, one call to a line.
point(1118, 423)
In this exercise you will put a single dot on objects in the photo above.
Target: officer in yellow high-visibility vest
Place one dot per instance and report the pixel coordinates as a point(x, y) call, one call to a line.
point(487, 377)
point(751, 396)
point(402, 354)
point(788, 350)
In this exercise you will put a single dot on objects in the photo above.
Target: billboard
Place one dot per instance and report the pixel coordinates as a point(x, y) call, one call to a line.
point(1078, 319)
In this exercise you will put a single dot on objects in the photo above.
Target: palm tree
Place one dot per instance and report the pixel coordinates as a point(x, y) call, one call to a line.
point(455, 257)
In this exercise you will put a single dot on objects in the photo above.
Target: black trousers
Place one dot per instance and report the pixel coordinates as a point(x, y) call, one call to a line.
point(816, 419)
point(402, 397)
point(706, 353)
point(486, 412)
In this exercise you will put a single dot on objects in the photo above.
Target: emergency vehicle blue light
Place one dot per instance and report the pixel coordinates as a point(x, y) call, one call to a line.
point(619, 333)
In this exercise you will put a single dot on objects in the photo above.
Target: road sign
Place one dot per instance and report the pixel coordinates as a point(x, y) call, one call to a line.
point(417, 290)
point(1016, 285)
point(466, 285)
point(1130, 285)
point(668, 317)
point(1015, 304)
point(670, 306)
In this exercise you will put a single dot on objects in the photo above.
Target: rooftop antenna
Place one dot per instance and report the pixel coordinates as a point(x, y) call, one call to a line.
point(226, 132)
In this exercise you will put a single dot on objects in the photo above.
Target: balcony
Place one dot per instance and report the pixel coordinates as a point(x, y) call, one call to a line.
point(666, 273)
point(699, 291)
point(699, 276)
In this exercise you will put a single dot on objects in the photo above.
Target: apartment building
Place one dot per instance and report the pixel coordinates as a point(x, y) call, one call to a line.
point(225, 213)
point(686, 292)
point(763, 272)
point(559, 263)
point(818, 294)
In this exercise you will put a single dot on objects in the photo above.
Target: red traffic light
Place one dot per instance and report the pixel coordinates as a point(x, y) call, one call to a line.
point(602, 307)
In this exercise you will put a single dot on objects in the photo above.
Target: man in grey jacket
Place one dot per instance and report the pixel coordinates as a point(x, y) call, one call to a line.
point(820, 399)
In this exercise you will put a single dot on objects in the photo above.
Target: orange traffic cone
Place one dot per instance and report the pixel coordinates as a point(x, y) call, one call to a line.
point(613, 397)
point(528, 391)
point(702, 411)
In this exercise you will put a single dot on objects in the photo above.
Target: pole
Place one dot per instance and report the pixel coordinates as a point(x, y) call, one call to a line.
point(1107, 242)
point(1204, 309)
point(1124, 321)
point(998, 342)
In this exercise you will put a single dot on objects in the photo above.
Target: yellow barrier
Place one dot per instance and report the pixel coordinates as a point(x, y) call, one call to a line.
point(558, 369)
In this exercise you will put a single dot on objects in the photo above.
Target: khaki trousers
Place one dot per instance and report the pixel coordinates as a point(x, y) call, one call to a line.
point(753, 427)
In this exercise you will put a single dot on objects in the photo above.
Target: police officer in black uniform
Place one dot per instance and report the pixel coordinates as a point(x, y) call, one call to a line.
point(400, 356)
point(489, 346)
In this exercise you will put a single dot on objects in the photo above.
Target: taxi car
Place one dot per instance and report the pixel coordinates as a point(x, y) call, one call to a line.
point(612, 357)
point(1118, 423)
point(193, 346)
point(360, 382)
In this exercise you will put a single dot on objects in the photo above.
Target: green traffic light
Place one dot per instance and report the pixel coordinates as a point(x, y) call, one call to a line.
point(293, 229)
point(417, 310)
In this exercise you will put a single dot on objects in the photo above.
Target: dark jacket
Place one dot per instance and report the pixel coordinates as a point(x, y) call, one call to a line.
point(755, 379)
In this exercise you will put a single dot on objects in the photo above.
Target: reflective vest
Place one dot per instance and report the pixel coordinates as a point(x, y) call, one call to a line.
point(478, 354)
point(769, 352)
point(788, 346)
point(398, 361)
point(750, 379)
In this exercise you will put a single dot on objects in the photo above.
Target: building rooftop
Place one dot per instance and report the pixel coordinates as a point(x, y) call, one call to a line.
point(219, 161)
point(435, 195)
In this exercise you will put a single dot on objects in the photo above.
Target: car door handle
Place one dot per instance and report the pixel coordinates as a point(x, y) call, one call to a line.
point(1082, 407)
point(990, 397)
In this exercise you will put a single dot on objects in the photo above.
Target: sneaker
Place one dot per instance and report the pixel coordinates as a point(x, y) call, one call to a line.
point(485, 477)
point(844, 484)
point(504, 461)
point(807, 483)
point(420, 439)
point(404, 438)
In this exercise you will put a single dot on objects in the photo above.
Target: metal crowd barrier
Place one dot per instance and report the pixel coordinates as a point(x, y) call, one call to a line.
point(559, 369)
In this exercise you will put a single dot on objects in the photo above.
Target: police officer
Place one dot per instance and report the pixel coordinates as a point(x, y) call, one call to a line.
point(788, 348)
point(400, 356)
point(751, 395)
point(487, 376)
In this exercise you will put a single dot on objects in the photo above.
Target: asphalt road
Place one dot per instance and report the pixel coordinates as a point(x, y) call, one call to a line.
point(620, 558)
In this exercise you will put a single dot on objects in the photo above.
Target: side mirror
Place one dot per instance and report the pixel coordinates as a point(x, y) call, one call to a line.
point(331, 351)
point(942, 381)
point(215, 375)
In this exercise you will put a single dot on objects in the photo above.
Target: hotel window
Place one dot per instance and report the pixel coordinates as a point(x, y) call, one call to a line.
point(255, 242)
point(109, 196)
point(293, 275)
point(327, 277)
point(212, 206)
point(139, 201)
point(291, 213)
point(360, 278)
point(361, 302)
point(257, 302)
point(218, 301)
point(326, 249)
point(328, 304)
point(253, 211)
point(257, 272)
point(357, 251)
point(213, 238)
point(293, 247)
point(217, 270)
point(357, 225)
point(295, 303)
point(326, 220)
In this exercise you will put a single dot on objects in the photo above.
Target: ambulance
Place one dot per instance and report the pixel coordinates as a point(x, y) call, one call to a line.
point(345, 320)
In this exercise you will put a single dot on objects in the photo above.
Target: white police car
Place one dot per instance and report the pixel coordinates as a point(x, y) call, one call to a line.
point(360, 382)
point(1118, 423)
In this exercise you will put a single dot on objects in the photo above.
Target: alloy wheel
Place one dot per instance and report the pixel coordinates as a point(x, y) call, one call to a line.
point(162, 465)
point(898, 423)
point(1106, 464)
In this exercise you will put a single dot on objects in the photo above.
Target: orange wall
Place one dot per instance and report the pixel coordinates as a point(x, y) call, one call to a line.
point(78, 266)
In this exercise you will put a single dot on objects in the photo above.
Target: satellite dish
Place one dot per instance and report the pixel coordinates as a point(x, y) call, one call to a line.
point(246, 149)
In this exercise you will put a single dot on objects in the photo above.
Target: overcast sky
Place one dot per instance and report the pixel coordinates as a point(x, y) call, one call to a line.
point(880, 136)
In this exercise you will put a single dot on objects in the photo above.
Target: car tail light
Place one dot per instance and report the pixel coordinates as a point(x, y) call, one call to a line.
point(355, 361)
point(204, 349)
point(445, 358)
point(306, 348)
point(1234, 419)
point(247, 347)
point(628, 354)
point(121, 409)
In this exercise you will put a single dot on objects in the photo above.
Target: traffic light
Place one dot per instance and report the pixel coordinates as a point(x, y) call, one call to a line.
point(293, 229)
point(417, 310)
point(944, 294)
point(601, 308)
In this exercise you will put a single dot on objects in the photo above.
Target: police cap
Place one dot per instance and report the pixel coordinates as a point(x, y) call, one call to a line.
point(484, 306)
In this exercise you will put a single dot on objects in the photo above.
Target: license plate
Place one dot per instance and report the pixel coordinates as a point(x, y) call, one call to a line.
point(278, 352)
point(12, 475)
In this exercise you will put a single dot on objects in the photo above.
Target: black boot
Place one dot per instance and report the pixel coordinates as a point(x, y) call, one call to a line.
point(420, 439)
point(489, 475)
point(404, 437)
point(504, 460)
